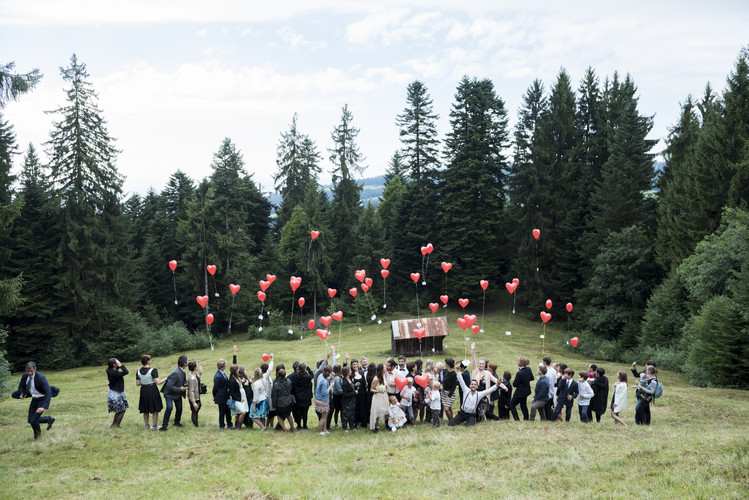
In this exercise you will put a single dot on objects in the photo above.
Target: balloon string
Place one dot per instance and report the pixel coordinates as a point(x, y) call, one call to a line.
point(426, 268)
point(291, 321)
point(543, 341)
point(174, 280)
point(513, 303)
point(483, 307)
point(231, 313)
point(417, 300)
point(384, 286)
point(536, 255)
point(262, 308)
point(340, 327)
point(369, 303)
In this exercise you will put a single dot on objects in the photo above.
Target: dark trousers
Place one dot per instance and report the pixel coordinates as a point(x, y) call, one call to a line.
point(540, 407)
point(300, 415)
point(194, 414)
point(336, 403)
point(598, 415)
point(523, 407)
point(36, 418)
point(642, 412)
point(558, 410)
point(490, 415)
point(468, 418)
point(348, 414)
point(550, 407)
point(584, 413)
point(224, 415)
point(176, 403)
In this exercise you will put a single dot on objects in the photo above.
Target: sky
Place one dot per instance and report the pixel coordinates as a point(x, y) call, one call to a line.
point(174, 78)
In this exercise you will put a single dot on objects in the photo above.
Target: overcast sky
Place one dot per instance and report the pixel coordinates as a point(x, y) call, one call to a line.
point(176, 77)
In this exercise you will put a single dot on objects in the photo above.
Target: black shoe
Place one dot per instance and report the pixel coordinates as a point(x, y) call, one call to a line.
point(51, 421)
point(37, 434)
point(162, 429)
point(177, 424)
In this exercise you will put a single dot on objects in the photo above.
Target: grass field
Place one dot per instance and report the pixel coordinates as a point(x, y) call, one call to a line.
point(696, 447)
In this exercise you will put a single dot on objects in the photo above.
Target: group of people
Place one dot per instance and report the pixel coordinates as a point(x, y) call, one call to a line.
point(361, 394)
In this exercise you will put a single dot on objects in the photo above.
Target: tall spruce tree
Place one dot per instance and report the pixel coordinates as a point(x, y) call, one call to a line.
point(418, 132)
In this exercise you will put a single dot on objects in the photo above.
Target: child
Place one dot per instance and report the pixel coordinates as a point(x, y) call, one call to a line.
point(348, 413)
point(619, 399)
point(585, 393)
point(407, 395)
point(433, 398)
point(396, 417)
point(505, 395)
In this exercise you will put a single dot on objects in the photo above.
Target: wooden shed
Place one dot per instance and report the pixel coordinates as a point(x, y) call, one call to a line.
point(403, 340)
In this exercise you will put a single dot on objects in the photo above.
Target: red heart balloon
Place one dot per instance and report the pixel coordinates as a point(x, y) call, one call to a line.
point(516, 281)
point(263, 284)
point(314, 234)
point(295, 282)
point(545, 317)
point(202, 300)
point(462, 323)
point(569, 307)
point(511, 287)
point(323, 334)
point(463, 302)
point(430, 248)
point(444, 299)
point(325, 320)
point(420, 332)
point(368, 281)
point(476, 328)
point(422, 380)
point(270, 277)
point(548, 303)
point(365, 287)
point(484, 284)
point(401, 382)
point(470, 319)
point(536, 233)
point(338, 315)
point(385, 273)
point(209, 319)
point(300, 301)
point(384, 263)
point(211, 270)
point(261, 296)
point(424, 250)
point(172, 265)
point(434, 306)
point(353, 291)
point(360, 274)
point(574, 341)
point(311, 324)
point(332, 292)
point(234, 288)
point(415, 277)
point(446, 266)
point(266, 357)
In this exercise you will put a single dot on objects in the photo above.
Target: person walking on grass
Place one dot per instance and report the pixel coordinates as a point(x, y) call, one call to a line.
point(541, 396)
point(619, 398)
point(34, 385)
point(193, 390)
point(645, 390)
point(173, 390)
point(116, 400)
point(600, 386)
point(584, 395)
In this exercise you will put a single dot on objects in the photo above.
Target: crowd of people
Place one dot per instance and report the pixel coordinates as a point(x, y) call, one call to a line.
point(360, 394)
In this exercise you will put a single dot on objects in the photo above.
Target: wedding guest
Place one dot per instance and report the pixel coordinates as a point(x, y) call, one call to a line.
point(522, 384)
point(193, 390)
point(281, 397)
point(116, 400)
point(149, 403)
point(239, 397)
point(175, 386)
point(380, 403)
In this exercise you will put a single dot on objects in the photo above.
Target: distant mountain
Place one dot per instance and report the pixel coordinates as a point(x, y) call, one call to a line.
point(371, 191)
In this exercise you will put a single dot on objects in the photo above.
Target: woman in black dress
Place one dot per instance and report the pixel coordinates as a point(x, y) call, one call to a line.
point(301, 393)
point(116, 400)
point(600, 386)
point(360, 386)
point(150, 398)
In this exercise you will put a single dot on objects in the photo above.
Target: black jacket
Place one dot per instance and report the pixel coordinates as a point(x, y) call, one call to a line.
point(600, 386)
point(348, 389)
point(234, 389)
point(301, 387)
point(562, 392)
point(220, 388)
point(522, 382)
point(174, 382)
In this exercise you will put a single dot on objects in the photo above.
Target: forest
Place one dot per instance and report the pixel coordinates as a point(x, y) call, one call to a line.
point(655, 261)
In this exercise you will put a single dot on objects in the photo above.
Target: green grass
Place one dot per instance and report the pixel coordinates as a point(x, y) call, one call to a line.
point(697, 446)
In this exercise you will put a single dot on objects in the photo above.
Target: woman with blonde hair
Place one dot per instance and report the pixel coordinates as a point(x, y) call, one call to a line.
point(259, 409)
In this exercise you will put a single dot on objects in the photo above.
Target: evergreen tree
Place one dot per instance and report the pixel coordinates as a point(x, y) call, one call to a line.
point(392, 194)
point(7, 151)
point(13, 85)
point(418, 132)
point(396, 168)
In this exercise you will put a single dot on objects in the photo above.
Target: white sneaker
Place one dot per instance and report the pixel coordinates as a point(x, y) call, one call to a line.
point(322, 433)
point(393, 429)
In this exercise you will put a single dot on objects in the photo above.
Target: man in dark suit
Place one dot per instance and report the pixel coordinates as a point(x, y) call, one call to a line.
point(566, 394)
point(34, 385)
point(221, 394)
point(173, 389)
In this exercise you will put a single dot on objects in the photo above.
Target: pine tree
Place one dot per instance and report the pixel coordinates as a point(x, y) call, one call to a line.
point(396, 168)
point(418, 132)
point(13, 85)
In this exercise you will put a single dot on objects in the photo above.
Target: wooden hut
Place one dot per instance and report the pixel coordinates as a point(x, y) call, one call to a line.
point(403, 340)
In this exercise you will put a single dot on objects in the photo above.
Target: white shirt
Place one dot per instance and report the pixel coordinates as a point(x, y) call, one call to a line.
point(434, 399)
point(401, 372)
point(471, 401)
point(390, 382)
point(407, 392)
point(32, 388)
point(551, 375)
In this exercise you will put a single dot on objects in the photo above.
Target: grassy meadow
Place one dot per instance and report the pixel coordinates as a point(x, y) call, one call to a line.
point(696, 447)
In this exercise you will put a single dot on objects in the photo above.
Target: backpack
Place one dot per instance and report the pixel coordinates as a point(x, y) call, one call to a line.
point(658, 389)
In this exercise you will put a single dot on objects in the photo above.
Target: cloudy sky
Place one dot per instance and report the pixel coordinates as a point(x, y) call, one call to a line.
point(176, 77)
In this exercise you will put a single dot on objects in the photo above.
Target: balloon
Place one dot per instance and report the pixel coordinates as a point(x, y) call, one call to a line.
point(385, 273)
point(434, 306)
point(325, 320)
point(261, 296)
point(311, 324)
point(516, 281)
point(314, 234)
point(511, 287)
point(338, 315)
point(424, 250)
point(365, 287)
point(548, 303)
point(422, 380)
point(420, 332)
point(368, 281)
point(574, 341)
point(270, 277)
point(476, 328)
point(430, 248)
point(353, 291)
point(172, 265)
point(211, 270)
point(202, 300)
point(446, 266)
point(536, 233)
point(545, 317)
point(264, 285)
point(266, 357)
point(234, 288)
point(323, 334)
point(462, 323)
point(484, 284)
point(300, 301)
point(209, 319)
point(470, 319)
point(415, 277)
point(332, 292)
point(384, 263)
point(463, 303)
point(444, 299)
point(295, 282)
point(569, 307)
point(360, 274)
point(401, 382)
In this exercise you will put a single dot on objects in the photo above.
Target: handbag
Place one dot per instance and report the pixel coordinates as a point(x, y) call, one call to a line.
point(231, 404)
point(203, 389)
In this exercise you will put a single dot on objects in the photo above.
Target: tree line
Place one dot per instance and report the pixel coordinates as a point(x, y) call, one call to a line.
point(654, 261)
